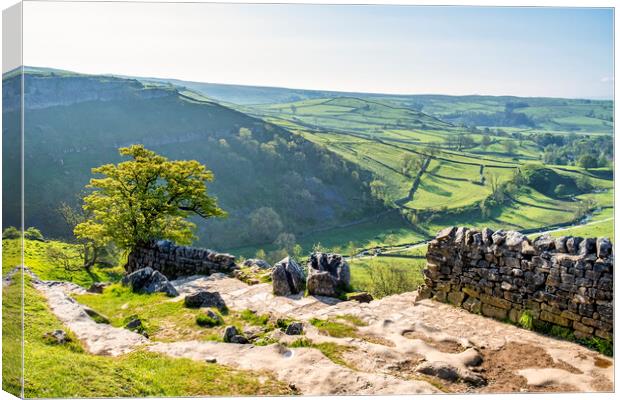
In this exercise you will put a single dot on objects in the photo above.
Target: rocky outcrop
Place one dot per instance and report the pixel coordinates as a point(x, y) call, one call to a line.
point(565, 281)
point(204, 298)
point(328, 274)
point(287, 277)
point(146, 280)
point(177, 261)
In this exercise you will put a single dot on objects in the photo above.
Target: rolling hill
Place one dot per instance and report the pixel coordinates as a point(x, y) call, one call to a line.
point(76, 122)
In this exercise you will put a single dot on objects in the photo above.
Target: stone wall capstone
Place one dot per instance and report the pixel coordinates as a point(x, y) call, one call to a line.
point(565, 281)
point(176, 261)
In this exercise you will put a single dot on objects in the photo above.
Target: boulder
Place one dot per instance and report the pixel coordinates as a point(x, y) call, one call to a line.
point(204, 298)
point(256, 262)
point(294, 328)
point(287, 277)
point(147, 280)
point(327, 274)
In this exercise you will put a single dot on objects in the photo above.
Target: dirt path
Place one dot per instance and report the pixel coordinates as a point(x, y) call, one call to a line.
point(401, 336)
point(97, 338)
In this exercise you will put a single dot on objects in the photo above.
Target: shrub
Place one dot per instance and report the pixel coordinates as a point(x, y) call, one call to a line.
point(33, 233)
point(561, 190)
point(205, 320)
point(11, 233)
point(526, 320)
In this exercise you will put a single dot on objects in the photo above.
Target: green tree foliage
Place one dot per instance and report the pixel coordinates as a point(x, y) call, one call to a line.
point(588, 161)
point(148, 197)
point(411, 164)
point(11, 232)
point(33, 233)
point(265, 224)
point(285, 241)
point(561, 190)
point(379, 190)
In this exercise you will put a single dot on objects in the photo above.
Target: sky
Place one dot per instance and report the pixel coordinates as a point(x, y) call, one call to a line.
point(553, 52)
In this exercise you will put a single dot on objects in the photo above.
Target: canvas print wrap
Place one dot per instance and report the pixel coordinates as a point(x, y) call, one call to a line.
point(208, 199)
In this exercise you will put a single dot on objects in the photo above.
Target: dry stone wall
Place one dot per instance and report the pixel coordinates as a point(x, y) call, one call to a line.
point(565, 281)
point(176, 261)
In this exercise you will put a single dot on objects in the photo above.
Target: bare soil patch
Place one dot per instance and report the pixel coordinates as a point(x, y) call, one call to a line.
point(499, 368)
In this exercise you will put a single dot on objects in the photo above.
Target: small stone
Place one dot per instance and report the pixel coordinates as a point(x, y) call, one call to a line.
point(134, 324)
point(229, 333)
point(57, 337)
point(361, 297)
point(294, 328)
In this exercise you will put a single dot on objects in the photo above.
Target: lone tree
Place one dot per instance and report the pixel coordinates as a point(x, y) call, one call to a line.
point(146, 198)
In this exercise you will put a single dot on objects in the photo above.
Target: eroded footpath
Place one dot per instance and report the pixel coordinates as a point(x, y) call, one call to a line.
point(407, 346)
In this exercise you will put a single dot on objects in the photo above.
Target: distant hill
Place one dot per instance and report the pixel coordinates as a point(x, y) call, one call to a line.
point(553, 114)
point(76, 122)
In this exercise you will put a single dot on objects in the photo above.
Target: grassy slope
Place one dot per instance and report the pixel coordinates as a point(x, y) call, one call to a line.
point(68, 371)
point(452, 180)
point(36, 258)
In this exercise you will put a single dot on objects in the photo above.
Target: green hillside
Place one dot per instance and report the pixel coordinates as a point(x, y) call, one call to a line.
point(74, 123)
point(523, 113)
point(346, 171)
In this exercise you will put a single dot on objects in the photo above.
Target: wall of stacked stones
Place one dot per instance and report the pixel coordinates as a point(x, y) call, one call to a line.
point(565, 281)
point(176, 261)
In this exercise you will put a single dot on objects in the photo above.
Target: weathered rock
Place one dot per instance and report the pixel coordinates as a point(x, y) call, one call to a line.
point(294, 328)
point(572, 244)
point(514, 239)
point(603, 247)
point(544, 243)
point(146, 280)
point(255, 262)
point(328, 274)
point(238, 339)
point(97, 287)
point(560, 244)
point(231, 335)
point(57, 337)
point(445, 233)
point(361, 297)
point(587, 246)
point(321, 283)
point(287, 277)
point(205, 298)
